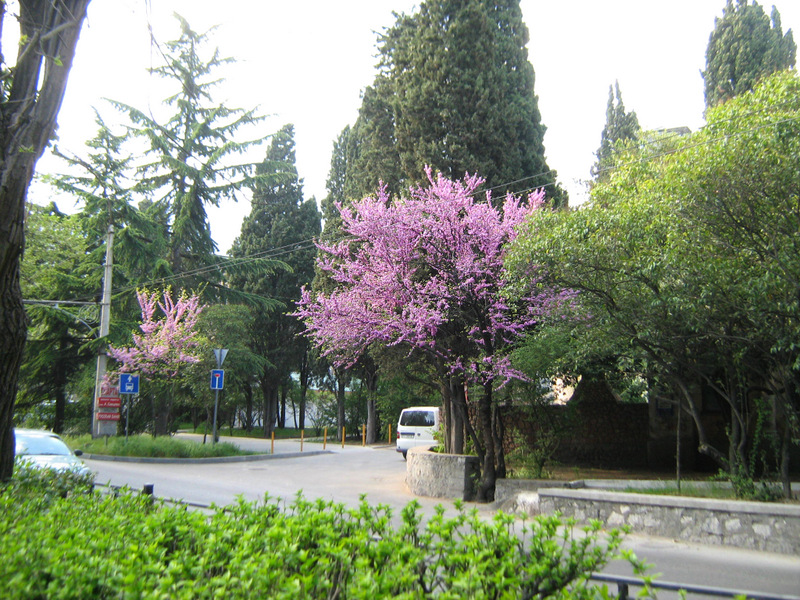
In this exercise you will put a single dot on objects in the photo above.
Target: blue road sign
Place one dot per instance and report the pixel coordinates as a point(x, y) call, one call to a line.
point(128, 383)
point(217, 379)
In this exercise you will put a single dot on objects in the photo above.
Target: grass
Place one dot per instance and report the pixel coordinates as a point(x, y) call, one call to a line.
point(149, 447)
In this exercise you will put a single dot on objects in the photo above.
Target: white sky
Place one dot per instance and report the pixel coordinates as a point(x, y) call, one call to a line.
point(307, 61)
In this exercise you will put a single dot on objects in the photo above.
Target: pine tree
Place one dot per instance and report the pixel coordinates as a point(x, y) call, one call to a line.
point(282, 225)
point(620, 126)
point(190, 153)
point(455, 91)
point(745, 46)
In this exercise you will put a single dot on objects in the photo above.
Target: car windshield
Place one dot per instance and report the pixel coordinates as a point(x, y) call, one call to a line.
point(417, 418)
point(44, 444)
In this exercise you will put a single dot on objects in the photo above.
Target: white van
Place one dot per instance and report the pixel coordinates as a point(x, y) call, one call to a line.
point(416, 427)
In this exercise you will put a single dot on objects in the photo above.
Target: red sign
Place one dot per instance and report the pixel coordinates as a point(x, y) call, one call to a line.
point(108, 416)
point(104, 402)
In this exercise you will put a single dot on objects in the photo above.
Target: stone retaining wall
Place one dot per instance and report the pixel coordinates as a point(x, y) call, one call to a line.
point(439, 475)
point(771, 527)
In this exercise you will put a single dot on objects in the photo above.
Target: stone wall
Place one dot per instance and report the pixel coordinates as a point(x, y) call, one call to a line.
point(438, 475)
point(771, 527)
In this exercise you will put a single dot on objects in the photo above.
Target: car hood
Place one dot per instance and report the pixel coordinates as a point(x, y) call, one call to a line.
point(57, 462)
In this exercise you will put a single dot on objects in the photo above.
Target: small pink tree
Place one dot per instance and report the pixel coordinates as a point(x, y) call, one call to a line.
point(426, 274)
point(167, 342)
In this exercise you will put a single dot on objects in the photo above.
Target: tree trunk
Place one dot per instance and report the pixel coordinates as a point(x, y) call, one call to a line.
point(282, 408)
point(458, 415)
point(28, 117)
point(489, 471)
point(270, 400)
point(372, 411)
point(248, 407)
point(340, 403)
point(305, 373)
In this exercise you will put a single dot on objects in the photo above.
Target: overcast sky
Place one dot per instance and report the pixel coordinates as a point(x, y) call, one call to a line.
point(307, 61)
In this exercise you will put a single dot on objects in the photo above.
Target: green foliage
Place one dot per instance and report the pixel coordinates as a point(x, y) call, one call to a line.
point(152, 447)
point(46, 485)
point(527, 461)
point(688, 263)
point(744, 47)
point(60, 338)
point(95, 546)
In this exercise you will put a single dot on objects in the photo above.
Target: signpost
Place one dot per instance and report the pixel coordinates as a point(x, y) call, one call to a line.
point(106, 412)
point(217, 382)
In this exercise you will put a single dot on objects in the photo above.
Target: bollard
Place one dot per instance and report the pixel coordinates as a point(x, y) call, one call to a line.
point(363, 435)
point(343, 437)
point(302, 431)
point(622, 591)
point(390, 435)
point(147, 491)
point(324, 438)
point(272, 443)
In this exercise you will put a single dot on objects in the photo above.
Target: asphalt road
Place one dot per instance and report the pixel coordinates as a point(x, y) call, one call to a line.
point(345, 474)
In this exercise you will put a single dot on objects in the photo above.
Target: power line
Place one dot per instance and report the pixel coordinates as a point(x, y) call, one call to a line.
point(275, 253)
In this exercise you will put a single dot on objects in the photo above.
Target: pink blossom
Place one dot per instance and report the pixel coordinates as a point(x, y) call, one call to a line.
point(426, 273)
point(165, 343)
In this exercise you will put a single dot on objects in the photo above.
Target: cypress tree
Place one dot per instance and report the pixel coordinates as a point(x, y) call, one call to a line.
point(620, 126)
point(455, 90)
point(744, 46)
point(282, 225)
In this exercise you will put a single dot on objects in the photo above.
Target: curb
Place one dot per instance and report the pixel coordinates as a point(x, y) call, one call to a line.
point(202, 461)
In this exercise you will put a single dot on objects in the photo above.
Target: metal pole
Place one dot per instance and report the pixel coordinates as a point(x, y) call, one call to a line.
point(216, 407)
point(127, 415)
point(105, 319)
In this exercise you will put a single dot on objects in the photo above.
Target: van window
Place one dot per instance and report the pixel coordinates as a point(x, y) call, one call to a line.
point(417, 418)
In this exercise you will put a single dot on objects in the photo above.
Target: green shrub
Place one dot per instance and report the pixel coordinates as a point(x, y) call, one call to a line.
point(102, 546)
point(153, 447)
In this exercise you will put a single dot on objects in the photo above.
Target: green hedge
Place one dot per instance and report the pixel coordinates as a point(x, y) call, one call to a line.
point(93, 545)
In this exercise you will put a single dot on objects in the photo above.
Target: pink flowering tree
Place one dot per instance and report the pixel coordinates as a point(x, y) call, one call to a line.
point(167, 344)
point(425, 274)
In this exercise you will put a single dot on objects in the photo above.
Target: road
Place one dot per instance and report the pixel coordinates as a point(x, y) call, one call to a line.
point(345, 474)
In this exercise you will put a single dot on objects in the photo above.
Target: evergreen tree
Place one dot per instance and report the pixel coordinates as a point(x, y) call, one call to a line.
point(59, 337)
point(280, 224)
point(620, 126)
point(454, 91)
point(102, 180)
point(745, 46)
point(190, 162)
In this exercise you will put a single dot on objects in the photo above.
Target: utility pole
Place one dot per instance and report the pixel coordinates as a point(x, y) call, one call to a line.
point(100, 428)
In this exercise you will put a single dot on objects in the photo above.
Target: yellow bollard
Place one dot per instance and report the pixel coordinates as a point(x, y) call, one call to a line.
point(363, 435)
point(302, 431)
point(324, 438)
point(390, 434)
point(272, 443)
point(342, 437)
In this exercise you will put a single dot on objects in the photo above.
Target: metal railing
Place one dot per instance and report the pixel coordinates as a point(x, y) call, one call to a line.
point(624, 584)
